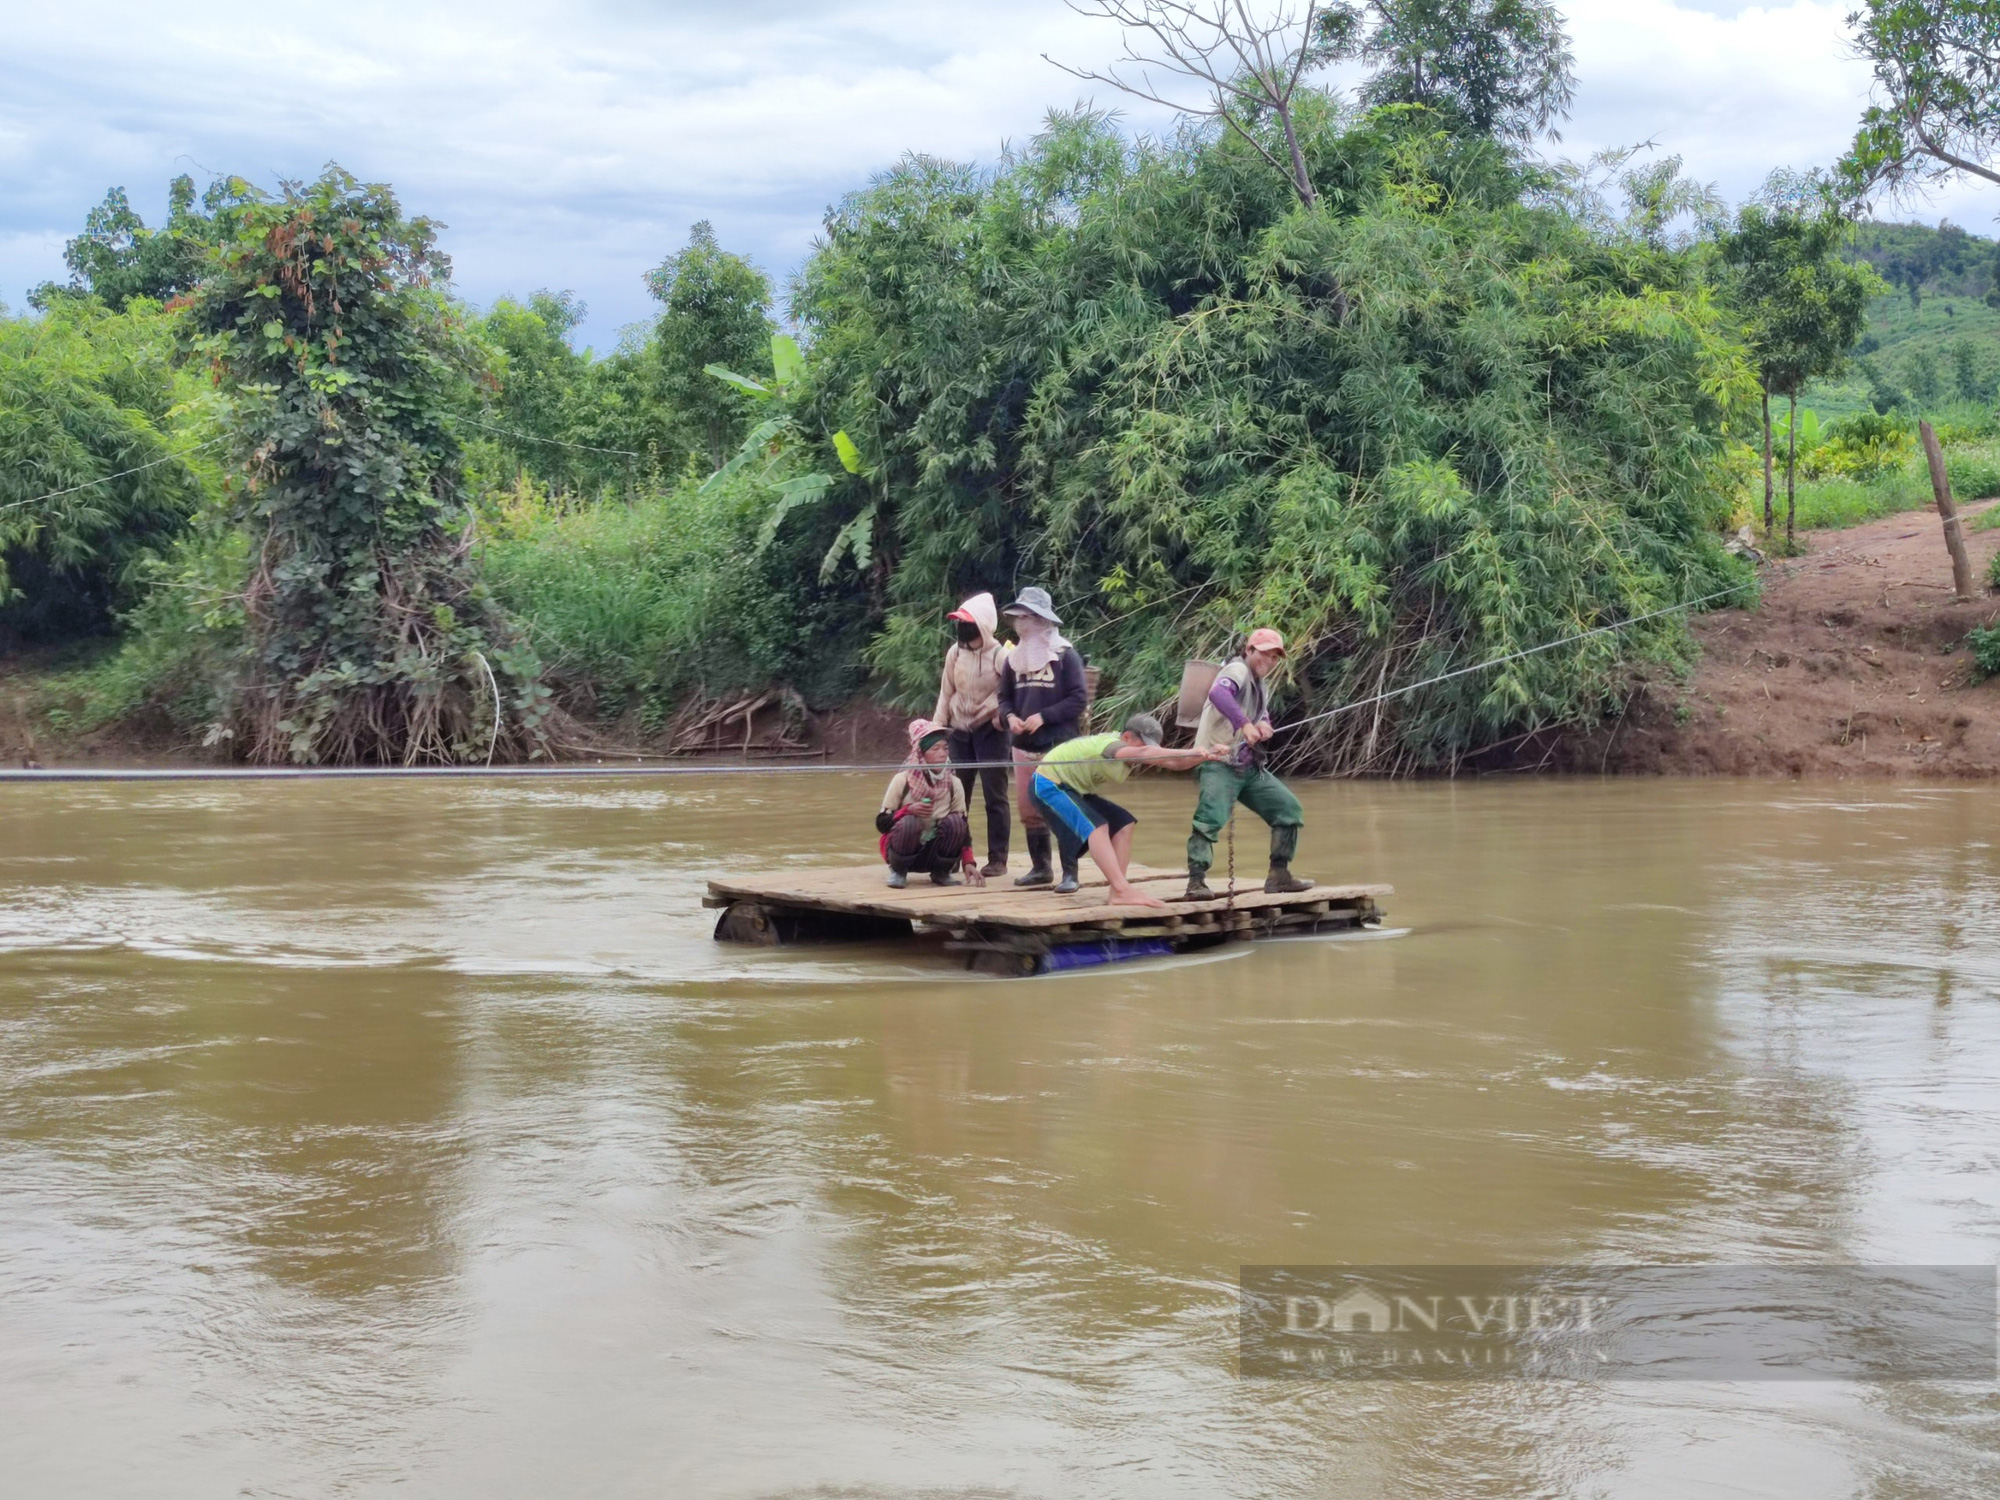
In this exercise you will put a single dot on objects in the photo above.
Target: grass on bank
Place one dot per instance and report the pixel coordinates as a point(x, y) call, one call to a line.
point(633, 606)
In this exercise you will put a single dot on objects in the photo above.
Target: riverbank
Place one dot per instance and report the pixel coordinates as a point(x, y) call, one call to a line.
point(1851, 665)
point(861, 730)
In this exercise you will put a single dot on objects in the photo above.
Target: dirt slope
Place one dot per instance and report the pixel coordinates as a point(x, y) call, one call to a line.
point(1852, 666)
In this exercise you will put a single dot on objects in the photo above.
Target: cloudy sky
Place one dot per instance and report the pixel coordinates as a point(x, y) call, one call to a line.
point(572, 144)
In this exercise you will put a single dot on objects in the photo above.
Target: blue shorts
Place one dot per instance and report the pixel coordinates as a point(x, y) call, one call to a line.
point(1072, 815)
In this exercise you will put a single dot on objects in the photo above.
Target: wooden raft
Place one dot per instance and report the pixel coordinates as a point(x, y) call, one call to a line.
point(1003, 929)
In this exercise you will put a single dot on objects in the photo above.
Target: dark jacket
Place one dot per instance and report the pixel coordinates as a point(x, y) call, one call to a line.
point(1057, 692)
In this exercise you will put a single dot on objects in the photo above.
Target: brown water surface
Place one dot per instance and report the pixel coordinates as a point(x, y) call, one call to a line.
point(361, 1138)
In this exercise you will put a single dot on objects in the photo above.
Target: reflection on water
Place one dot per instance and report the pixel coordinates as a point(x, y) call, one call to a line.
point(371, 1136)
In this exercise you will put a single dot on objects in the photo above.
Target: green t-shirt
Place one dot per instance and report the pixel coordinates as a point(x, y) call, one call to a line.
point(1084, 764)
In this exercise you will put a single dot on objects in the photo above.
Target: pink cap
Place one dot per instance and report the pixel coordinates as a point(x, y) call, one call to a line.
point(1265, 640)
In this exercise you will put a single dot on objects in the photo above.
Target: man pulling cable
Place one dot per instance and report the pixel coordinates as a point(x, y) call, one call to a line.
point(1238, 714)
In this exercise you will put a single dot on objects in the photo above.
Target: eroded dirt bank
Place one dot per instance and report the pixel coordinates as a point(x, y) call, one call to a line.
point(1853, 665)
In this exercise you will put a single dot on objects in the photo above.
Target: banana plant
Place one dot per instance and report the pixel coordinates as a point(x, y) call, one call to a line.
point(766, 440)
point(1809, 429)
point(857, 537)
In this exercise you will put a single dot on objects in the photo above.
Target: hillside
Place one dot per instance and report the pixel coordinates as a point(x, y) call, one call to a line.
point(1933, 339)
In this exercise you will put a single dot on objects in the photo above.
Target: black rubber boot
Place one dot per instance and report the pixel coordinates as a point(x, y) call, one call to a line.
point(1281, 880)
point(1039, 873)
point(1197, 886)
point(1068, 884)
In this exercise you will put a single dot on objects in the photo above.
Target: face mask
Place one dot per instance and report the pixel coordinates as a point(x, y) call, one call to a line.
point(968, 633)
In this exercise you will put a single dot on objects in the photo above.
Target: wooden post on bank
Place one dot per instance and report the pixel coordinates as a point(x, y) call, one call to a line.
point(1954, 537)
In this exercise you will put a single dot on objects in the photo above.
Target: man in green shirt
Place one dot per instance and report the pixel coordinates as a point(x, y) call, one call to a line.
point(1065, 791)
point(1237, 718)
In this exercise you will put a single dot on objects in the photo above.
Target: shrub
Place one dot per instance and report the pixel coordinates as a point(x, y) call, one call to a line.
point(180, 642)
point(1860, 446)
point(1974, 475)
point(1985, 644)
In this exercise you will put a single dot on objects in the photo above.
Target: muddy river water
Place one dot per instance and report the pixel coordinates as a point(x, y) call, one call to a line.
point(371, 1138)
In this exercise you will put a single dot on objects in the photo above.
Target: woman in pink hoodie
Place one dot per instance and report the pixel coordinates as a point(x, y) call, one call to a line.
point(968, 706)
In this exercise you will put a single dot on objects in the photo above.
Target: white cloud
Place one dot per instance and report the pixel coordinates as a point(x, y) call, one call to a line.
point(572, 144)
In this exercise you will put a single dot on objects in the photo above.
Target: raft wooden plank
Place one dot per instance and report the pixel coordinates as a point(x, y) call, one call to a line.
point(862, 889)
point(1090, 909)
point(859, 890)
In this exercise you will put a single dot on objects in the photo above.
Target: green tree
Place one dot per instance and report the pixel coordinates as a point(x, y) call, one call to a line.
point(117, 257)
point(538, 373)
point(1920, 374)
point(367, 635)
point(1502, 68)
point(1802, 305)
point(99, 467)
point(1884, 395)
point(1418, 425)
point(716, 310)
point(551, 411)
point(1936, 106)
point(1968, 380)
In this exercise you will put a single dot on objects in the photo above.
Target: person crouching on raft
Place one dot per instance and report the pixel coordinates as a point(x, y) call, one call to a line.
point(1237, 719)
point(1065, 791)
point(1042, 697)
point(922, 821)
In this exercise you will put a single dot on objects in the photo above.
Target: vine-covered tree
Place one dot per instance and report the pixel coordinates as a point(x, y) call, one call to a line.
point(1936, 105)
point(1501, 68)
point(367, 635)
point(716, 310)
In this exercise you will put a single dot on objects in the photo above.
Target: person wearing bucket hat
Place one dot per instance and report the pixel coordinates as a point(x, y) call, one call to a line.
point(1238, 716)
point(1042, 699)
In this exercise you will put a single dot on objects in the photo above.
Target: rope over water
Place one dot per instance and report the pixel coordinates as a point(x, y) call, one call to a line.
point(301, 773)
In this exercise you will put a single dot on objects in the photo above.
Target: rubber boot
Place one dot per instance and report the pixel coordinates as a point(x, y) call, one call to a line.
point(897, 879)
point(1038, 859)
point(1281, 880)
point(995, 868)
point(1068, 884)
point(1197, 886)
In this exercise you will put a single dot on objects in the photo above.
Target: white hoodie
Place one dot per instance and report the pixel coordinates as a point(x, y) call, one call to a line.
point(969, 691)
